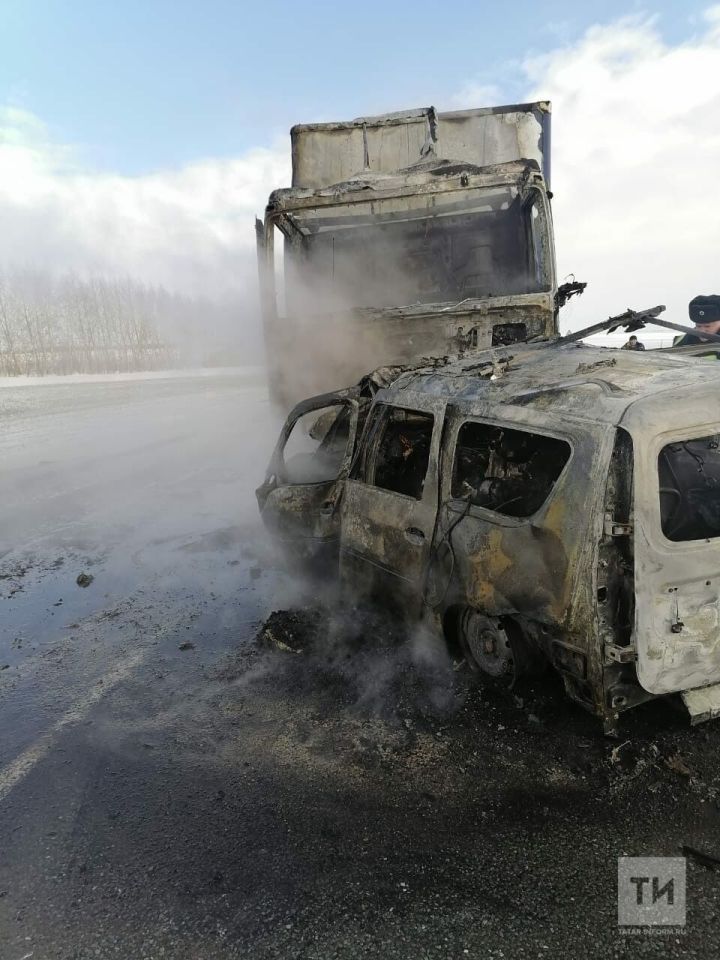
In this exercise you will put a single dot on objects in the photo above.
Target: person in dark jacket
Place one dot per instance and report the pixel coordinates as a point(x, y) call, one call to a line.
point(633, 344)
point(704, 312)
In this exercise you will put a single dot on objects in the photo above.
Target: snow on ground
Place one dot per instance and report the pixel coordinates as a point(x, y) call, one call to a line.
point(80, 378)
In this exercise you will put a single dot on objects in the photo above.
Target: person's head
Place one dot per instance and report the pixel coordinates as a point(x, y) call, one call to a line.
point(633, 340)
point(704, 312)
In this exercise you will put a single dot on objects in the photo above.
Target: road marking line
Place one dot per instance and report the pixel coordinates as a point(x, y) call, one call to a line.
point(23, 764)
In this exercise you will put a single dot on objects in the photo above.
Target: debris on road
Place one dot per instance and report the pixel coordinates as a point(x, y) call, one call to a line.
point(84, 579)
point(271, 640)
point(388, 681)
point(187, 645)
point(617, 753)
point(678, 765)
point(289, 630)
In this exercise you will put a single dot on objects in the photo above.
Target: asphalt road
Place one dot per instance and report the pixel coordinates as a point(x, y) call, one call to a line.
point(182, 777)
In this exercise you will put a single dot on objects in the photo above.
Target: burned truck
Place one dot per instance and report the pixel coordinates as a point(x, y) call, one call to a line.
point(547, 504)
point(406, 235)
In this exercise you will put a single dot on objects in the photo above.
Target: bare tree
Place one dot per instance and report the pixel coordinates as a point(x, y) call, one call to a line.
point(71, 325)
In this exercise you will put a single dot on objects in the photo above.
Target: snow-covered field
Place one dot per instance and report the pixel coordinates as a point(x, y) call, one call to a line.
point(252, 372)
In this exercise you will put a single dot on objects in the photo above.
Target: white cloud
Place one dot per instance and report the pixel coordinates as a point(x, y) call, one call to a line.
point(189, 229)
point(636, 149)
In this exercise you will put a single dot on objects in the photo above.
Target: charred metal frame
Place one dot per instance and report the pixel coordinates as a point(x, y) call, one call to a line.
point(361, 162)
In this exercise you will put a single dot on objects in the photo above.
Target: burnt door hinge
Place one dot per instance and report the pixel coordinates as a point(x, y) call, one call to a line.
point(616, 654)
point(613, 528)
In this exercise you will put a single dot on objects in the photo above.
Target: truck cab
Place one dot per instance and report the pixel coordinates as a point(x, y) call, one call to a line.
point(408, 235)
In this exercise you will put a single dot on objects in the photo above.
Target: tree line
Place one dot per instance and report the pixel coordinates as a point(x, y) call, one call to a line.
point(67, 324)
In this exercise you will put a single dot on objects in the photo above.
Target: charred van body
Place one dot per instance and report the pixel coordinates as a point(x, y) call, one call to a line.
point(544, 504)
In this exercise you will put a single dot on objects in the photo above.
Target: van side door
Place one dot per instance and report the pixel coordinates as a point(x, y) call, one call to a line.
point(390, 503)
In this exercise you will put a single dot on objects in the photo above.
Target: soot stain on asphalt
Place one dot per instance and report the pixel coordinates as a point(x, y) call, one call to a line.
point(365, 699)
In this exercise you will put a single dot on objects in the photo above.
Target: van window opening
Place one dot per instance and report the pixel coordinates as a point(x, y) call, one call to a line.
point(511, 472)
point(689, 476)
point(403, 452)
point(315, 449)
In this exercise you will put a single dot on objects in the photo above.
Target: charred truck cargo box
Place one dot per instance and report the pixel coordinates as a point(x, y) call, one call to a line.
point(545, 504)
point(407, 235)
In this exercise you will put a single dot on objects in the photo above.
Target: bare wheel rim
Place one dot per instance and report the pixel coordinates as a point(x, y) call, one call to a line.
point(487, 646)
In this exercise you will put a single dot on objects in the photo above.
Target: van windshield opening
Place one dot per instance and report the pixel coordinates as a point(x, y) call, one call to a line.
point(315, 449)
point(689, 475)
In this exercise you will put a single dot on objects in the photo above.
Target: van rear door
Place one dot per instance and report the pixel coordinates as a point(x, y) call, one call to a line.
point(677, 553)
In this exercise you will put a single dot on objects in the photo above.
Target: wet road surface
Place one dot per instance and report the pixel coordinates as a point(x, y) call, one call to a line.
point(171, 786)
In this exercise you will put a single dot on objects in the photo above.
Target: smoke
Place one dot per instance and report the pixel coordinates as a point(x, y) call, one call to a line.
point(323, 345)
point(187, 232)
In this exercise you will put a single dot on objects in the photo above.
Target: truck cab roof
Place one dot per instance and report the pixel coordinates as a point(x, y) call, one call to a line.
point(428, 176)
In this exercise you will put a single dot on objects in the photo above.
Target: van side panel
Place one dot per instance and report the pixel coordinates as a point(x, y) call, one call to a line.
point(539, 572)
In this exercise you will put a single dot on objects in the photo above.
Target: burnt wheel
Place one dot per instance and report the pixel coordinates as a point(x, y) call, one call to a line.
point(487, 646)
point(498, 648)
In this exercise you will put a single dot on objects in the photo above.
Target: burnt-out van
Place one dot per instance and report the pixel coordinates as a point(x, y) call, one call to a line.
point(542, 504)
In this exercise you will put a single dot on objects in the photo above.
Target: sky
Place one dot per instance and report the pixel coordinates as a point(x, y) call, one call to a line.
point(141, 138)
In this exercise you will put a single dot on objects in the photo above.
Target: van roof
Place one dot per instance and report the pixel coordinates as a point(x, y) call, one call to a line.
point(573, 380)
